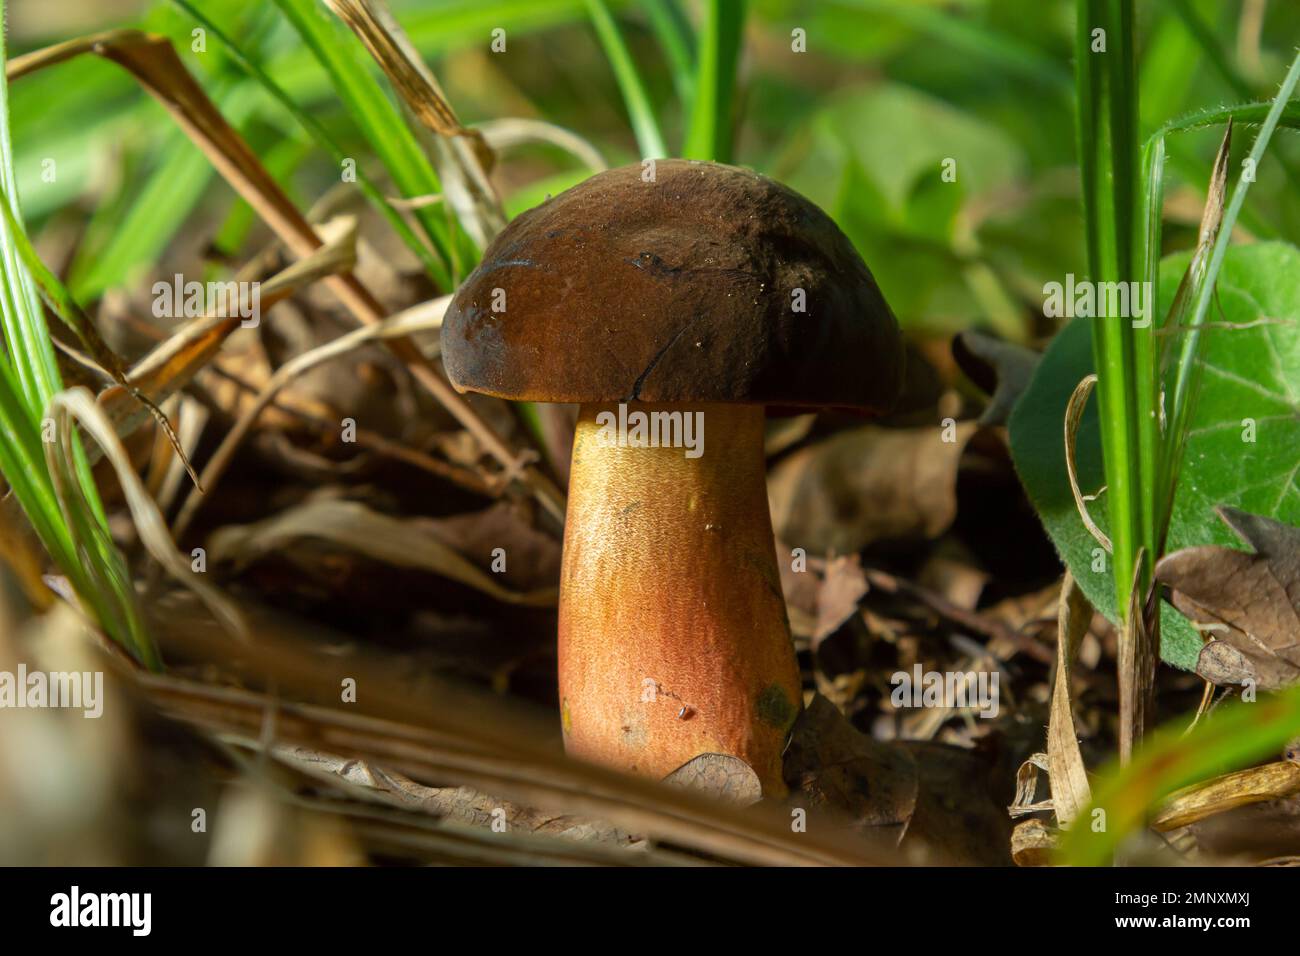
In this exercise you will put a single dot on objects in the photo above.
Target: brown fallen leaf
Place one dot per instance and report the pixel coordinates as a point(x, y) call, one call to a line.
point(1254, 598)
point(868, 484)
point(801, 588)
point(843, 586)
point(175, 361)
point(350, 525)
point(832, 767)
point(154, 63)
point(723, 777)
point(1223, 665)
point(960, 816)
point(533, 556)
point(462, 804)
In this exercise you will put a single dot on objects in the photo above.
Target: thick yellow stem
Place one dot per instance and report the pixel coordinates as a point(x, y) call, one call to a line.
point(673, 633)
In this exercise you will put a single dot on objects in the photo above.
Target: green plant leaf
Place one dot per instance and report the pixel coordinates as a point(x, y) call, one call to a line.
point(875, 160)
point(922, 132)
point(317, 131)
point(1252, 374)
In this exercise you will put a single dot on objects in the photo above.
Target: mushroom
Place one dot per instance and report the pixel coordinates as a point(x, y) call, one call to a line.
point(674, 301)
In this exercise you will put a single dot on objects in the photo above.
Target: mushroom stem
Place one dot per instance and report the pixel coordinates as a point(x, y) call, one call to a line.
point(674, 640)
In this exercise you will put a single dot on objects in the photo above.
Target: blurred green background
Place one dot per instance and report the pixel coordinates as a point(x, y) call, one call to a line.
point(861, 123)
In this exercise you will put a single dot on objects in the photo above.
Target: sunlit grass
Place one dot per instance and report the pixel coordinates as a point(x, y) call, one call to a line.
point(75, 532)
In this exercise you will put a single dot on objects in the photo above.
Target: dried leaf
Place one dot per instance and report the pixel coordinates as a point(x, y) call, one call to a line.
point(842, 587)
point(402, 542)
point(171, 365)
point(1139, 650)
point(462, 804)
point(1223, 665)
point(513, 131)
point(1067, 776)
point(152, 60)
point(831, 766)
point(719, 776)
point(460, 155)
point(1254, 598)
point(1256, 785)
point(1027, 777)
point(395, 326)
point(77, 403)
point(534, 554)
point(1033, 843)
point(1074, 415)
point(868, 484)
point(446, 746)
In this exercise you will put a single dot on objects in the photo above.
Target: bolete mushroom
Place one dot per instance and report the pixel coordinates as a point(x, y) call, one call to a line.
point(674, 301)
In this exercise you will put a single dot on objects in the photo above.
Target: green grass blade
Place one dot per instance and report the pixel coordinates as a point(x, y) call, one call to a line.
point(123, 238)
point(98, 572)
point(1106, 94)
point(282, 155)
point(22, 464)
point(1000, 53)
point(709, 135)
point(676, 39)
point(30, 353)
point(1146, 354)
point(77, 535)
point(374, 114)
point(644, 124)
point(1205, 38)
point(436, 267)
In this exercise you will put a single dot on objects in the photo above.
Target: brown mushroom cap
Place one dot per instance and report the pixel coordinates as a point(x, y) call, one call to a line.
point(680, 289)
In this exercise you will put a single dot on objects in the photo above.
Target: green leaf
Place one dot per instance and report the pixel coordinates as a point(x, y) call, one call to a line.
point(874, 160)
point(1249, 374)
point(900, 136)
